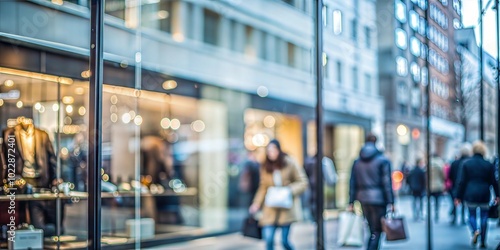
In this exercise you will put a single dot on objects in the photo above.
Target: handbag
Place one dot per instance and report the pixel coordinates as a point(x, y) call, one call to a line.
point(279, 197)
point(251, 228)
point(394, 227)
point(350, 232)
point(493, 211)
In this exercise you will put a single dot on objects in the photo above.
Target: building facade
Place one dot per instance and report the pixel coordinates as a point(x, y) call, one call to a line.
point(189, 87)
point(469, 109)
point(403, 52)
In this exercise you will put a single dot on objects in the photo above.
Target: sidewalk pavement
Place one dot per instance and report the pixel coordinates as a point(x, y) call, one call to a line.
point(444, 235)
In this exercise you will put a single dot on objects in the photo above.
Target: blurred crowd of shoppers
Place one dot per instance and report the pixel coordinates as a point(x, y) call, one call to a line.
point(470, 180)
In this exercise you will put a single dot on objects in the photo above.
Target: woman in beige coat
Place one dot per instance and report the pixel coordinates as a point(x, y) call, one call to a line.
point(279, 169)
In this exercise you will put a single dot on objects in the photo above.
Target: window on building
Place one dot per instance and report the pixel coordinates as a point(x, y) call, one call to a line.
point(156, 15)
point(355, 80)
point(324, 12)
point(415, 72)
point(415, 46)
point(423, 51)
point(337, 22)
point(402, 93)
point(115, 8)
point(249, 41)
point(422, 4)
point(424, 72)
point(456, 6)
point(368, 37)
point(422, 26)
point(326, 68)
point(291, 54)
point(368, 83)
point(211, 27)
point(402, 66)
point(414, 20)
point(278, 48)
point(401, 39)
point(263, 45)
point(339, 72)
point(233, 26)
point(354, 30)
point(400, 11)
point(415, 100)
point(457, 24)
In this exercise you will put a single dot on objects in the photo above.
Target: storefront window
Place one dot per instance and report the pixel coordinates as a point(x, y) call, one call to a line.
point(44, 118)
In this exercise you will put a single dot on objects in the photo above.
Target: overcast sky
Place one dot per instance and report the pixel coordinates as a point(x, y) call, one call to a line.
point(470, 17)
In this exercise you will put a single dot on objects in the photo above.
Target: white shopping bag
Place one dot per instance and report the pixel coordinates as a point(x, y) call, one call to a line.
point(350, 231)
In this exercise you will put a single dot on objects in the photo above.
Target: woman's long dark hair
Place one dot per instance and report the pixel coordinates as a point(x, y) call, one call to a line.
point(279, 163)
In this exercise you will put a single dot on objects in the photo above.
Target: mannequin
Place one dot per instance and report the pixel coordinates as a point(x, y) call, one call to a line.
point(35, 162)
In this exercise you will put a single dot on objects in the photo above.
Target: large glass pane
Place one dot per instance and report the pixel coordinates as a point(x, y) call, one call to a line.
point(44, 121)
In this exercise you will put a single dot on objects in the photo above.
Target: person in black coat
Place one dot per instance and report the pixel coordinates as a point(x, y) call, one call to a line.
point(416, 182)
point(476, 178)
point(465, 153)
point(371, 185)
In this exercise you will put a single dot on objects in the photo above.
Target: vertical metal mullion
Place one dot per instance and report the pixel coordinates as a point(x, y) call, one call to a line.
point(318, 25)
point(95, 122)
point(428, 127)
point(481, 87)
point(498, 78)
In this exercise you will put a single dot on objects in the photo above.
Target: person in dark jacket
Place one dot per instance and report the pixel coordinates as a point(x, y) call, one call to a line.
point(371, 185)
point(416, 182)
point(465, 152)
point(475, 179)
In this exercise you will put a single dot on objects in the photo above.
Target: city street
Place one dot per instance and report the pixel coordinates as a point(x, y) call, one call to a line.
point(444, 235)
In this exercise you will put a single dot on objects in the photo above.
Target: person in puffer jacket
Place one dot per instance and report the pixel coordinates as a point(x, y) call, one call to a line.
point(371, 185)
point(476, 177)
point(437, 182)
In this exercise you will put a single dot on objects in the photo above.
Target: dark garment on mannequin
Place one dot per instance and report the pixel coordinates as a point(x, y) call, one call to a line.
point(43, 169)
point(35, 162)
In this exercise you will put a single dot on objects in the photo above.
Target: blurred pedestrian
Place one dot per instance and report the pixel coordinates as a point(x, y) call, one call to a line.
point(436, 182)
point(475, 179)
point(249, 178)
point(465, 153)
point(371, 185)
point(329, 175)
point(279, 169)
point(416, 182)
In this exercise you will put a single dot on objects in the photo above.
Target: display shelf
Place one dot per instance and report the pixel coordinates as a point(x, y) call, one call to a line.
point(104, 195)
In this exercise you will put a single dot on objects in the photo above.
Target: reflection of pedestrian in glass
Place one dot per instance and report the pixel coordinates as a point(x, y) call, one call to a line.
point(437, 182)
point(279, 169)
point(371, 185)
point(249, 179)
point(329, 176)
point(456, 165)
point(416, 183)
point(475, 179)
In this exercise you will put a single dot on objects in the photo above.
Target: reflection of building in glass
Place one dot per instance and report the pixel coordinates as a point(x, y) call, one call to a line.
point(469, 72)
point(403, 76)
point(189, 87)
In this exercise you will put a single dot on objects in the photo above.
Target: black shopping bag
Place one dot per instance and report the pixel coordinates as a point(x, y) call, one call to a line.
point(394, 228)
point(493, 211)
point(251, 228)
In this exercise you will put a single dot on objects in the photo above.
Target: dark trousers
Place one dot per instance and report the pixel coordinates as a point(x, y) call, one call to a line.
point(373, 214)
point(418, 206)
point(454, 210)
point(436, 196)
